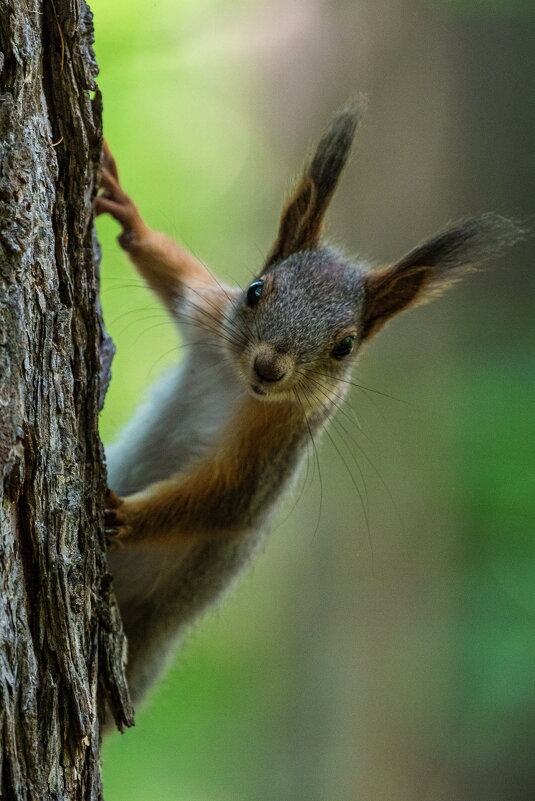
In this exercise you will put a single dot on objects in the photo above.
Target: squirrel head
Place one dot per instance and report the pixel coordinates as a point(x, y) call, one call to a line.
point(302, 322)
point(299, 323)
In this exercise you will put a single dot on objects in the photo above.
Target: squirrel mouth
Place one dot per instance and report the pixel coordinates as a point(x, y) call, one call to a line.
point(258, 390)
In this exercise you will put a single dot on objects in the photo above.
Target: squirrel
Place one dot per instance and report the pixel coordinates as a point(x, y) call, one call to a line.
point(198, 472)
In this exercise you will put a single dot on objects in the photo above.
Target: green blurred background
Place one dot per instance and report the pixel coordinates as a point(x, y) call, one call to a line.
point(384, 661)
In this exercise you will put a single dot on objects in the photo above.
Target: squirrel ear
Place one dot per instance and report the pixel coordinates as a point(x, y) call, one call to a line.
point(431, 268)
point(302, 216)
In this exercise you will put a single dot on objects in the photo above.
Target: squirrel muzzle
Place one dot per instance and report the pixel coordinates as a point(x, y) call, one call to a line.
point(269, 366)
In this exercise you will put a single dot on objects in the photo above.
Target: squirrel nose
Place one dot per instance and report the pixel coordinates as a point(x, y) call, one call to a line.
point(269, 368)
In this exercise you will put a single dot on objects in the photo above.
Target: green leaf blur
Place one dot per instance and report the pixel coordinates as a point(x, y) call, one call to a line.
point(387, 654)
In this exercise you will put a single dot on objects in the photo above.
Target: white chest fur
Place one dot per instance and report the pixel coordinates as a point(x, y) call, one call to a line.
point(179, 422)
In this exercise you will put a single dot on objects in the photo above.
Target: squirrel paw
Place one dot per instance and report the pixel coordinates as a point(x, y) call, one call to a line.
point(116, 526)
point(113, 200)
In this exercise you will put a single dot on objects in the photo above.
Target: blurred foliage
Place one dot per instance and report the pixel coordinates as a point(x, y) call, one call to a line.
point(184, 140)
point(334, 668)
point(485, 7)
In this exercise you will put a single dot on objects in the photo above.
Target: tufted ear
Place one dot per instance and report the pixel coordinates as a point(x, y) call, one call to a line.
point(434, 266)
point(302, 216)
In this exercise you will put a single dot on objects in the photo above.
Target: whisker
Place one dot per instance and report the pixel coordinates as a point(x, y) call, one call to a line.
point(192, 321)
point(340, 407)
point(156, 313)
point(307, 441)
point(218, 309)
point(146, 331)
point(223, 361)
point(375, 469)
point(131, 279)
point(303, 481)
point(363, 499)
point(124, 285)
point(220, 329)
point(221, 333)
point(358, 386)
point(316, 457)
point(131, 323)
point(344, 436)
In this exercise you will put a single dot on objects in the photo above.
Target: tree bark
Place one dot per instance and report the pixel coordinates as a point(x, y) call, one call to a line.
point(61, 644)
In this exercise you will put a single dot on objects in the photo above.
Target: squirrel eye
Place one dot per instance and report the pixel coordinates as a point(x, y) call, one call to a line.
point(343, 348)
point(254, 292)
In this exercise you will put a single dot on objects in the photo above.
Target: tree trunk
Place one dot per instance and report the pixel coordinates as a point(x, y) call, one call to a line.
point(61, 644)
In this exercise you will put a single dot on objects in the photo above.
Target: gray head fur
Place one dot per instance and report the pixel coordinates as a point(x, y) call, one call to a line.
point(312, 297)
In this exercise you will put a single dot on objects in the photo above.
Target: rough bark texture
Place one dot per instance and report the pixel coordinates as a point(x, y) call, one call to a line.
point(61, 645)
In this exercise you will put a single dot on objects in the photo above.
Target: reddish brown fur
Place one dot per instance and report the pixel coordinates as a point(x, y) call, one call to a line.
point(165, 266)
point(220, 494)
point(187, 536)
point(390, 292)
point(182, 506)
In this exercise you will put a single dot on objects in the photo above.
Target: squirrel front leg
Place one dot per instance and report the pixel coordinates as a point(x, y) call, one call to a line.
point(168, 268)
point(223, 494)
point(177, 509)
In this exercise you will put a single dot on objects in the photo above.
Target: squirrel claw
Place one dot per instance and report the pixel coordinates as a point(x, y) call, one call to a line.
point(112, 199)
point(115, 537)
point(116, 526)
